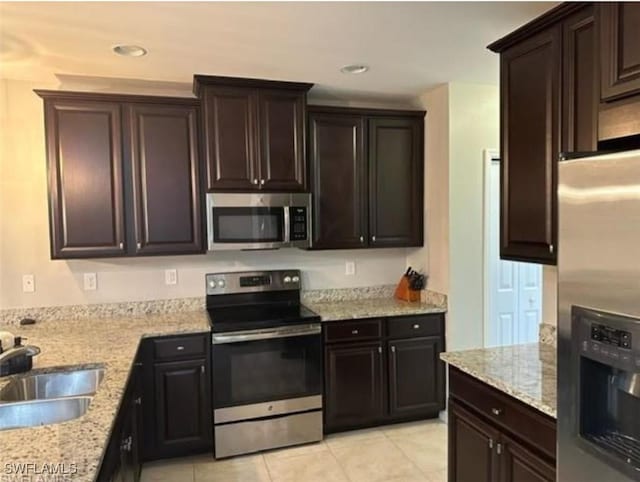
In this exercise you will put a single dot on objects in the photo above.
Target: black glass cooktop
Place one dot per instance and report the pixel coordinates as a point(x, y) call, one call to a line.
point(253, 317)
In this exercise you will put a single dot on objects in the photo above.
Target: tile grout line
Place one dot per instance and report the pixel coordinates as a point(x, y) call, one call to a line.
point(266, 464)
point(342, 468)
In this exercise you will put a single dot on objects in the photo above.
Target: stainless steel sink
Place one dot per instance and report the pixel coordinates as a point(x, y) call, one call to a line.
point(42, 412)
point(53, 385)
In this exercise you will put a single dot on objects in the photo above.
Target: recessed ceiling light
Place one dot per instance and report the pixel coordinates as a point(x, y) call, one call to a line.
point(130, 50)
point(354, 69)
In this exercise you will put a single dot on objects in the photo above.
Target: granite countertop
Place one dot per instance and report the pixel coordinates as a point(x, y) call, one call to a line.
point(370, 308)
point(109, 342)
point(526, 372)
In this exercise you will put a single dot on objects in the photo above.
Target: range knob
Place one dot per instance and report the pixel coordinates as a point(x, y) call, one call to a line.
point(295, 279)
point(212, 284)
point(221, 283)
point(287, 279)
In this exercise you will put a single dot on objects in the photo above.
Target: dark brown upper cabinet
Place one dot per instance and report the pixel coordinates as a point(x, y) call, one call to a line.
point(339, 180)
point(85, 169)
point(123, 175)
point(530, 145)
point(619, 49)
point(230, 118)
point(254, 133)
point(166, 191)
point(548, 104)
point(367, 177)
point(580, 95)
point(396, 181)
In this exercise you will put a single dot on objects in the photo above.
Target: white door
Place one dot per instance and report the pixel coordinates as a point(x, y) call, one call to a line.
point(513, 291)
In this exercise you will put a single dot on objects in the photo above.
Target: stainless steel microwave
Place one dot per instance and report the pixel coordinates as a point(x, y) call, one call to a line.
point(258, 221)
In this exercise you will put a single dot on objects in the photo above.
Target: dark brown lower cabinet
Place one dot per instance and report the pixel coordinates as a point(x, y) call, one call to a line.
point(372, 378)
point(353, 384)
point(471, 444)
point(493, 437)
point(415, 376)
point(182, 412)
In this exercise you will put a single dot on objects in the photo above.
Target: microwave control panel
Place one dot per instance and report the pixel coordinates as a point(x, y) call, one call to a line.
point(298, 223)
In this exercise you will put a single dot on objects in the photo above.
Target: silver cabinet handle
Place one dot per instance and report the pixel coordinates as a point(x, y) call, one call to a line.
point(491, 443)
point(139, 245)
point(551, 248)
point(201, 368)
point(121, 245)
point(373, 238)
point(416, 327)
point(380, 350)
point(138, 401)
point(496, 411)
point(362, 239)
point(262, 182)
point(499, 449)
point(255, 181)
point(354, 332)
point(179, 348)
point(393, 349)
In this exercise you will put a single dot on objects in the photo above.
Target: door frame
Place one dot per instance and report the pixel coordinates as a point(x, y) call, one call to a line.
point(488, 155)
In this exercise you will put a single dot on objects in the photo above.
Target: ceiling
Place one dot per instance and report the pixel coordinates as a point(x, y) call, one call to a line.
point(409, 46)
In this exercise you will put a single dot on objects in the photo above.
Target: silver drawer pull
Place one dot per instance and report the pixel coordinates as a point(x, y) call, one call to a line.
point(179, 348)
point(354, 332)
point(496, 411)
point(416, 326)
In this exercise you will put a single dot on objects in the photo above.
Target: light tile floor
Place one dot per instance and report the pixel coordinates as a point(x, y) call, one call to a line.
point(408, 452)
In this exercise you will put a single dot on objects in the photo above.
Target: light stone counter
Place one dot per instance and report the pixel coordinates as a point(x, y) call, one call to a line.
point(526, 372)
point(370, 308)
point(108, 342)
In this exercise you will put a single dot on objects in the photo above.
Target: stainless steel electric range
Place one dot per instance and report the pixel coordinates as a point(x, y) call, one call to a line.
point(267, 362)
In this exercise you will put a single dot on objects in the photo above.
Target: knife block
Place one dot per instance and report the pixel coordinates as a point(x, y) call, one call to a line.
point(404, 291)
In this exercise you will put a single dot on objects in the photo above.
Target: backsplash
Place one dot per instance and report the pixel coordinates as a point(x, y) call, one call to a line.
point(548, 334)
point(12, 316)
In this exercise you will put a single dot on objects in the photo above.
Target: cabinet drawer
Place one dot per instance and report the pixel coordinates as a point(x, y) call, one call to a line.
point(352, 330)
point(180, 347)
point(522, 421)
point(414, 326)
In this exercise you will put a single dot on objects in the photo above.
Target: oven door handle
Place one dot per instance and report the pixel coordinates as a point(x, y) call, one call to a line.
point(288, 332)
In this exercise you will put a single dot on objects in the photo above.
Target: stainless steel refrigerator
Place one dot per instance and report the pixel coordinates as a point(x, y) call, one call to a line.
point(599, 318)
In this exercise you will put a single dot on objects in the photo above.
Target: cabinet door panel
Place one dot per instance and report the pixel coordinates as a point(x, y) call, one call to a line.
point(416, 376)
point(580, 83)
point(620, 49)
point(395, 182)
point(230, 123)
point(530, 119)
point(353, 385)
point(183, 421)
point(282, 165)
point(85, 179)
point(339, 168)
point(517, 464)
point(471, 447)
point(164, 155)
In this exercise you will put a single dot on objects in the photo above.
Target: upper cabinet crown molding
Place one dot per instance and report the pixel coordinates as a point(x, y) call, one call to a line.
point(117, 98)
point(200, 81)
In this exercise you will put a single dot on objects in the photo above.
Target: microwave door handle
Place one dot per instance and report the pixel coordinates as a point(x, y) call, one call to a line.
point(238, 337)
point(287, 225)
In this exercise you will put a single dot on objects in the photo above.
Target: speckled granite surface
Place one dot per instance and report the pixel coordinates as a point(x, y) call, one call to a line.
point(526, 372)
point(12, 316)
point(111, 343)
point(548, 334)
point(371, 308)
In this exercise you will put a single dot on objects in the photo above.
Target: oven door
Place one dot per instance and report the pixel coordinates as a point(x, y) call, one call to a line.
point(266, 372)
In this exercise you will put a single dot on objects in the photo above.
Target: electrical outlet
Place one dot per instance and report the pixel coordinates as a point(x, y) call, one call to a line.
point(350, 268)
point(90, 281)
point(28, 283)
point(170, 276)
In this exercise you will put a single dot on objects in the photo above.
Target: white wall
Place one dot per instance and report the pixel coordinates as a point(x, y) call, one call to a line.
point(462, 121)
point(24, 236)
point(550, 295)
